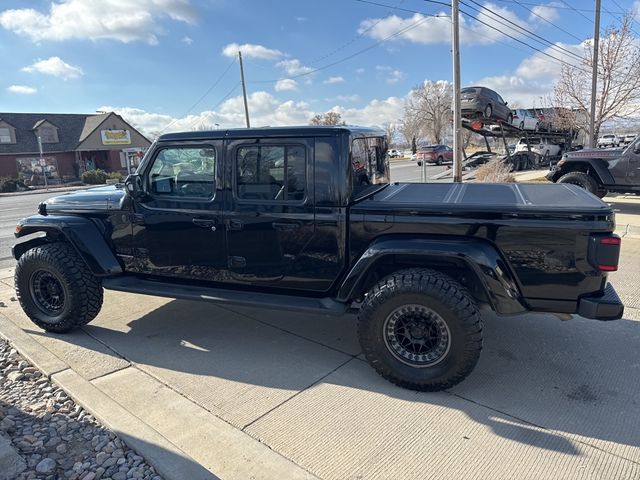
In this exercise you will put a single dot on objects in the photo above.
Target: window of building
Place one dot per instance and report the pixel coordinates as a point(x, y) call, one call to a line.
point(5, 135)
point(368, 163)
point(271, 173)
point(48, 134)
point(184, 172)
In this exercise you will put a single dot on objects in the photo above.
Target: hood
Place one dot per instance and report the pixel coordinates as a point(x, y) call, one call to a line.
point(90, 200)
point(604, 153)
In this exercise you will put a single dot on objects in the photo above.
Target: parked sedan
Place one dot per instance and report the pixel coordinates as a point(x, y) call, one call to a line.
point(542, 146)
point(484, 102)
point(434, 154)
point(524, 120)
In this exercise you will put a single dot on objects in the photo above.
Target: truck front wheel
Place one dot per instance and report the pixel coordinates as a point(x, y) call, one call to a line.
point(56, 289)
point(420, 329)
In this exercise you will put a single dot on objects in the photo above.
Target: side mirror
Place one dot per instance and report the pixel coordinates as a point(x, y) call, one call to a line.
point(636, 148)
point(506, 103)
point(133, 184)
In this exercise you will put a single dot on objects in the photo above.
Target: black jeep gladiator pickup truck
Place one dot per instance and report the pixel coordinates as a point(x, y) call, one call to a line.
point(306, 219)
point(601, 171)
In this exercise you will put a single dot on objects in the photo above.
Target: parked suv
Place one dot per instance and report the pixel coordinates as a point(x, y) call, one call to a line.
point(601, 171)
point(484, 102)
point(437, 154)
point(305, 219)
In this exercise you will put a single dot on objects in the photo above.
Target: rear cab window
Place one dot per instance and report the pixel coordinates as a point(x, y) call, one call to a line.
point(369, 166)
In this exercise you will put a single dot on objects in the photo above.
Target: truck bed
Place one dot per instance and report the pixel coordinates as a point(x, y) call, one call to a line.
point(541, 198)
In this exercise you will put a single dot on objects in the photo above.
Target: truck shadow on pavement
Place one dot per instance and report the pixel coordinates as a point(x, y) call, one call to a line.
point(554, 385)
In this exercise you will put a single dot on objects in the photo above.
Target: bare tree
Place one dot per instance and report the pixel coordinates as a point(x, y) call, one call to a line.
point(409, 127)
point(391, 130)
point(430, 104)
point(329, 118)
point(618, 87)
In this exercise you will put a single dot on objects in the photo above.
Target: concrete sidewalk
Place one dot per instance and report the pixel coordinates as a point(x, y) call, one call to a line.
point(248, 393)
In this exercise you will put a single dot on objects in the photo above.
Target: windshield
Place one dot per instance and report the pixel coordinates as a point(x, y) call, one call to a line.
point(468, 90)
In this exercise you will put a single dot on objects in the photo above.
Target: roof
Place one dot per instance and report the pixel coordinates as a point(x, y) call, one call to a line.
point(294, 131)
point(70, 126)
point(73, 129)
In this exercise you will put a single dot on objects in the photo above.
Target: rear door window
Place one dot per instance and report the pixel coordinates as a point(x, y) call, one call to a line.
point(271, 173)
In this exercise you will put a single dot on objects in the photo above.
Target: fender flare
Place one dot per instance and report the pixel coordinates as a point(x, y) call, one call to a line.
point(480, 256)
point(80, 232)
point(596, 164)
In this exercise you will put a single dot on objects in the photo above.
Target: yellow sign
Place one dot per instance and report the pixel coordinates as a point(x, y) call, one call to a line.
point(115, 137)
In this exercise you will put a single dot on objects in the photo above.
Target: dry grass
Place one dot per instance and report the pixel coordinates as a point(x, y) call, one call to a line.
point(495, 171)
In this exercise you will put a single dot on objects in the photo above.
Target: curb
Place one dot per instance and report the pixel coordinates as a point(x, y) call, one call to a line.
point(166, 458)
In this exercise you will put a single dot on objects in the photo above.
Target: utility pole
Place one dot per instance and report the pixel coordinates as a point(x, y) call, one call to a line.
point(244, 91)
point(594, 77)
point(457, 121)
point(43, 163)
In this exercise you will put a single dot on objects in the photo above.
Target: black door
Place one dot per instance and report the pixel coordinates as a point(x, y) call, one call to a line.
point(178, 229)
point(269, 214)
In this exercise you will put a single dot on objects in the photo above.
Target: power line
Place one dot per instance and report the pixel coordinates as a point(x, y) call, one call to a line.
point(357, 37)
point(204, 95)
point(568, 7)
point(528, 33)
point(359, 52)
point(229, 93)
point(541, 17)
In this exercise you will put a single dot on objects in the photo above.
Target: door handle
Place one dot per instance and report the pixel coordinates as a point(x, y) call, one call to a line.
point(285, 226)
point(235, 224)
point(205, 223)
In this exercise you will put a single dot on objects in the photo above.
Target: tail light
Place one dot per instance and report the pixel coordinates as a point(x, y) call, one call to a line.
point(604, 252)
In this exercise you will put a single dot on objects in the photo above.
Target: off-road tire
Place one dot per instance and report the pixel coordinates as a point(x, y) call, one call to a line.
point(438, 293)
point(83, 292)
point(583, 180)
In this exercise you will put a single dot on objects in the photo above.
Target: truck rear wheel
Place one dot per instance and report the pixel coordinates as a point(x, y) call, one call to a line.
point(585, 181)
point(420, 329)
point(56, 289)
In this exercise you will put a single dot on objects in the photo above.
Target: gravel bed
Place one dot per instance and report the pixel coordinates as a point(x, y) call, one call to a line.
point(56, 438)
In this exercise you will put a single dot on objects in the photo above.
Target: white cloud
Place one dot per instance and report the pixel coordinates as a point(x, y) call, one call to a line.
point(286, 84)
point(124, 21)
point(22, 89)
point(422, 29)
point(187, 40)
point(56, 67)
point(547, 12)
point(390, 74)
point(349, 98)
point(360, 71)
point(332, 80)
point(265, 109)
point(251, 50)
point(293, 66)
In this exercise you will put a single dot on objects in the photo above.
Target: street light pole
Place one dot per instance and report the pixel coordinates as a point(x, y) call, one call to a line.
point(43, 163)
point(457, 121)
point(594, 77)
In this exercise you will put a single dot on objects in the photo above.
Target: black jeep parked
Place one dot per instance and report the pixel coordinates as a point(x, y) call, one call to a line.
point(306, 219)
point(600, 171)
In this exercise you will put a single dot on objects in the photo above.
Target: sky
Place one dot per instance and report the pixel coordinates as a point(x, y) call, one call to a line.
point(170, 65)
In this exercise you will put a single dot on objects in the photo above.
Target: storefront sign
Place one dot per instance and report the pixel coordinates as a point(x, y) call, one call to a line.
point(115, 137)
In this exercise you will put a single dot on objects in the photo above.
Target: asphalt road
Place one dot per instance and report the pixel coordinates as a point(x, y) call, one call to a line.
point(13, 209)
point(409, 171)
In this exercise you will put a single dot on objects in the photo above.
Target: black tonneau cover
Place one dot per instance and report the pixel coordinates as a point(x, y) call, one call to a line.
point(488, 197)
